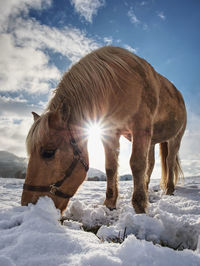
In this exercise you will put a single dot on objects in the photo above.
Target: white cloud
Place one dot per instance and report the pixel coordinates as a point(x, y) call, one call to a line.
point(16, 108)
point(15, 121)
point(69, 42)
point(190, 146)
point(134, 20)
point(132, 50)
point(87, 8)
point(24, 64)
point(11, 8)
point(161, 15)
point(132, 16)
point(108, 40)
point(191, 167)
point(24, 68)
point(13, 134)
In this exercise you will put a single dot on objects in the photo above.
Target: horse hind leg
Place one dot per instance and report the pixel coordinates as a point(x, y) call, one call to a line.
point(170, 164)
point(111, 147)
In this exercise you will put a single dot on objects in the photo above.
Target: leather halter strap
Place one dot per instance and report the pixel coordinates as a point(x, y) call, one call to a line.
point(54, 188)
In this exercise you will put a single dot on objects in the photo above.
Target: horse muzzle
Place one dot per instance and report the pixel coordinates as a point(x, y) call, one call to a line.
point(28, 197)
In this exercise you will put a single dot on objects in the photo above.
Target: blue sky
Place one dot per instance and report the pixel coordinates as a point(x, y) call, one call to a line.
point(41, 39)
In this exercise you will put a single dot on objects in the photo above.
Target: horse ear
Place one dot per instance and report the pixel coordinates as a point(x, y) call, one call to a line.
point(35, 116)
point(59, 118)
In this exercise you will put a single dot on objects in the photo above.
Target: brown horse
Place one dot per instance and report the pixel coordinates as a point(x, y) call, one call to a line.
point(131, 99)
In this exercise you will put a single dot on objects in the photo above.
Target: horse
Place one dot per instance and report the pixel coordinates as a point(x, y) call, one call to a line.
point(131, 99)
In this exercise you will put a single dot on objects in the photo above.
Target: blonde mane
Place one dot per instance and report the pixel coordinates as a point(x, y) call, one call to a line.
point(86, 86)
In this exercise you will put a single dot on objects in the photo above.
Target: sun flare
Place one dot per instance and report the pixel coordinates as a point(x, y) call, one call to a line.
point(95, 131)
point(95, 134)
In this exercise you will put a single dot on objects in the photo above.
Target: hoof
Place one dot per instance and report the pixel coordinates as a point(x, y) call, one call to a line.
point(139, 201)
point(170, 191)
point(111, 209)
point(110, 205)
point(139, 209)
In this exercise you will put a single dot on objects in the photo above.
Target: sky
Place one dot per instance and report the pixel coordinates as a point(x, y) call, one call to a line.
point(41, 39)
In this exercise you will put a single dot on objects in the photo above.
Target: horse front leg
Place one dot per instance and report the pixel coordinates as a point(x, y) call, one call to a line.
point(138, 163)
point(111, 147)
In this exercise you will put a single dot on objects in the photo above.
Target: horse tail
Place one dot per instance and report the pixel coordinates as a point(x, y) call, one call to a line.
point(164, 168)
point(178, 171)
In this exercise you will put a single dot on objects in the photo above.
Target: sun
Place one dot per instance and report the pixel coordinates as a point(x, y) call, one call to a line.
point(95, 132)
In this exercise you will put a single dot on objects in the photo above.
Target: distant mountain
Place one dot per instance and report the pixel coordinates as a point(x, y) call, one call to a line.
point(95, 175)
point(12, 165)
point(125, 177)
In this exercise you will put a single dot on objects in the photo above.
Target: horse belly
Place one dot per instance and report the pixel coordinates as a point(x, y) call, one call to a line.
point(165, 130)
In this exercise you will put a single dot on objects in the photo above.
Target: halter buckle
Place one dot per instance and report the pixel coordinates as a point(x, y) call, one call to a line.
point(53, 189)
point(76, 156)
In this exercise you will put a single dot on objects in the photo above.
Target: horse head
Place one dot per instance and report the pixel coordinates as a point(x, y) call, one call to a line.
point(58, 159)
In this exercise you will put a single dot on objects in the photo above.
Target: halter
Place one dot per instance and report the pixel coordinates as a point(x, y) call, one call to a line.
point(54, 188)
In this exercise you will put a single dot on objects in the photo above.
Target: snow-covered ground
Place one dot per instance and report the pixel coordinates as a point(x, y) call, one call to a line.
point(94, 236)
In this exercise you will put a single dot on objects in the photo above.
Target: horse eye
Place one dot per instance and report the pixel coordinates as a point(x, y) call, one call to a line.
point(47, 154)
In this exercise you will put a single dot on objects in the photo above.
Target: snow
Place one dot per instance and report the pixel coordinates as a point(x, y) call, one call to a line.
point(93, 235)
